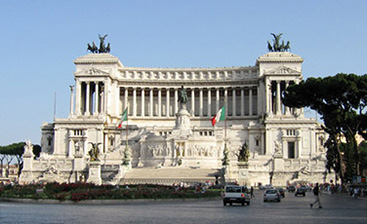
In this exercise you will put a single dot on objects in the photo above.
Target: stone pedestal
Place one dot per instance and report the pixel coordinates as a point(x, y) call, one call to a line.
point(243, 173)
point(94, 174)
point(278, 170)
point(278, 163)
point(123, 169)
point(27, 175)
point(78, 162)
point(183, 118)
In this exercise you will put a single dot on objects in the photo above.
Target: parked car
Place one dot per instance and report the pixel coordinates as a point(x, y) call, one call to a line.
point(301, 190)
point(281, 191)
point(272, 195)
point(265, 187)
point(308, 188)
point(236, 194)
point(291, 188)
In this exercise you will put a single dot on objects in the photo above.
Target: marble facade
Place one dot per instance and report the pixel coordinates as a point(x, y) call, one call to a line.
point(285, 146)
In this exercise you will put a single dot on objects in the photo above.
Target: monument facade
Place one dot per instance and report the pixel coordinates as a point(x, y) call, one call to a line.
point(168, 136)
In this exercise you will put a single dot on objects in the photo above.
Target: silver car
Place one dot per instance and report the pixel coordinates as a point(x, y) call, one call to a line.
point(272, 195)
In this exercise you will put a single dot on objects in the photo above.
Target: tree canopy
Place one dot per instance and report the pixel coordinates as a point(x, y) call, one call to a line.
point(341, 100)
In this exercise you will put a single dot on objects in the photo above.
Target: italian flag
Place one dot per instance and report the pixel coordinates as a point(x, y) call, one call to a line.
point(123, 118)
point(221, 116)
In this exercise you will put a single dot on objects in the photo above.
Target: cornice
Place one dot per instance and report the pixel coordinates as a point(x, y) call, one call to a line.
point(279, 57)
point(216, 69)
point(93, 58)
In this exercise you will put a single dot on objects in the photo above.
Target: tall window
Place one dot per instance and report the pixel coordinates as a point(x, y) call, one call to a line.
point(291, 150)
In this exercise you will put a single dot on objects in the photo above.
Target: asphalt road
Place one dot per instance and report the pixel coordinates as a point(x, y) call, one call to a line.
point(336, 209)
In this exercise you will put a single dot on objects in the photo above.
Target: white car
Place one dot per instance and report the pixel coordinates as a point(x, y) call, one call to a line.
point(236, 194)
point(272, 195)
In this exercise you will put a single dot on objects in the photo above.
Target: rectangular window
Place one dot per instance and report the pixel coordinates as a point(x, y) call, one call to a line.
point(291, 150)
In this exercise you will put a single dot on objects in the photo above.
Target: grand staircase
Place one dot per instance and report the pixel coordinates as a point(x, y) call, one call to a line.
point(170, 175)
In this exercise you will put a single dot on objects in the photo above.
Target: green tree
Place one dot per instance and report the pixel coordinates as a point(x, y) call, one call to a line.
point(363, 155)
point(341, 100)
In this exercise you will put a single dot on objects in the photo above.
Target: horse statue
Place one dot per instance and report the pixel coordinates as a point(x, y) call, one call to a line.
point(182, 98)
point(277, 46)
point(102, 47)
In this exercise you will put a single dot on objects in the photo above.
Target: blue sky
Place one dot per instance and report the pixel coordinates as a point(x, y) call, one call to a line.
point(40, 39)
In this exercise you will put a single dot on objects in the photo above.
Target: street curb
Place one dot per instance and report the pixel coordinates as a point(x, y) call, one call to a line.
point(103, 202)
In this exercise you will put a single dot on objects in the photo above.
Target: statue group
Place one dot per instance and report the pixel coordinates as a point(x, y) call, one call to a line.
point(244, 153)
point(102, 47)
point(277, 47)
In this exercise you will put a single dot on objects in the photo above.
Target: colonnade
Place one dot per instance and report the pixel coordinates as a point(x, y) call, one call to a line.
point(274, 92)
point(89, 98)
point(202, 102)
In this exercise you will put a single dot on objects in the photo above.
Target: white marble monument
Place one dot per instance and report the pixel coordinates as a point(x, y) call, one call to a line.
point(170, 141)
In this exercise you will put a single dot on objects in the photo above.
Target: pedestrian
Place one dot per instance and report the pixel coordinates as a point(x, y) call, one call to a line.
point(252, 192)
point(355, 192)
point(317, 196)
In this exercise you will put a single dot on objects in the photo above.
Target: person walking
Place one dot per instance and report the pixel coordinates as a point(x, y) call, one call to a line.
point(317, 196)
point(252, 192)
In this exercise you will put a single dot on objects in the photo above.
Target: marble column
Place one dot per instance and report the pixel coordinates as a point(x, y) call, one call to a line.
point(134, 102)
point(151, 102)
point(242, 101)
point(71, 101)
point(278, 104)
point(143, 102)
point(78, 97)
point(87, 99)
point(250, 101)
point(126, 100)
point(193, 102)
point(201, 102)
point(176, 100)
point(233, 102)
point(226, 100)
point(286, 108)
point(159, 102)
point(167, 102)
point(96, 97)
point(209, 102)
point(269, 101)
point(102, 99)
point(216, 100)
point(118, 108)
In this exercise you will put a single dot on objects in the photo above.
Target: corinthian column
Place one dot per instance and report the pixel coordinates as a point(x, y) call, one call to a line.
point(159, 102)
point(134, 102)
point(250, 101)
point(151, 102)
point(167, 103)
point(193, 101)
point(71, 101)
point(142, 102)
point(209, 102)
point(176, 100)
point(78, 98)
point(242, 101)
point(234, 102)
point(87, 94)
point(201, 102)
point(278, 105)
point(96, 98)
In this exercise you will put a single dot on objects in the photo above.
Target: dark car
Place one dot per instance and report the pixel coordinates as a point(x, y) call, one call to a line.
point(291, 188)
point(281, 191)
point(301, 190)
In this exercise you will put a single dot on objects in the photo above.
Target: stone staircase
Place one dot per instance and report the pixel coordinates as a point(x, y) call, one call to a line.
point(170, 175)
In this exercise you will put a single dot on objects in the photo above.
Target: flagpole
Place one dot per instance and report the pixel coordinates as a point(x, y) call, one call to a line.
point(127, 132)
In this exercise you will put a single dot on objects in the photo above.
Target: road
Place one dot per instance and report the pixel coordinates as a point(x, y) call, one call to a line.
point(336, 209)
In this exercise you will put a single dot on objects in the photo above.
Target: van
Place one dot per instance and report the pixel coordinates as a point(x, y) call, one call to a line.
point(236, 194)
